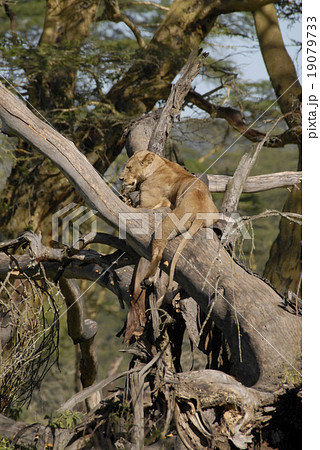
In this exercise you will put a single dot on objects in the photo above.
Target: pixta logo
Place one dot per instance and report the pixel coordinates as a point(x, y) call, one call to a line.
point(138, 222)
point(71, 217)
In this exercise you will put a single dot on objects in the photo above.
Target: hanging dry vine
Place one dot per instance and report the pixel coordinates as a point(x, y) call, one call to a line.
point(29, 321)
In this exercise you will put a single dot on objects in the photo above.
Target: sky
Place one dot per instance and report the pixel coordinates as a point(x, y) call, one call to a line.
point(248, 55)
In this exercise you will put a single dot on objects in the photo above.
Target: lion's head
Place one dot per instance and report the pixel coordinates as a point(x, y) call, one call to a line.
point(136, 170)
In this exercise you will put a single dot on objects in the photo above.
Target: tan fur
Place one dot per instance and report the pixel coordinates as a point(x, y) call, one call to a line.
point(164, 183)
point(194, 228)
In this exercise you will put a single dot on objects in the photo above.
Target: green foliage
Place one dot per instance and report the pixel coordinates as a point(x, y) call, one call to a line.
point(121, 421)
point(6, 445)
point(29, 25)
point(68, 419)
point(292, 374)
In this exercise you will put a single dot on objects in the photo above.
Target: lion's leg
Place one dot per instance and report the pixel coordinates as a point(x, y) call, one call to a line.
point(157, 252)
point(167, 227)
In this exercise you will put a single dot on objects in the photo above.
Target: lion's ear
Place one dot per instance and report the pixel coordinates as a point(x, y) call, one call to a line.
point(148, 159)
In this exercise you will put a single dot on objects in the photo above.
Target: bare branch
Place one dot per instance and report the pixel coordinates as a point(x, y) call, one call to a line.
point(236, 120)
point(174, 102)
point(292, 217)
point(155, 5)
point(236, 184)
point(111, 271)
point(257, 183)
point(13, 22)
point(87, 392)
point(100, 238)
point(40, 253)
point(112, 12)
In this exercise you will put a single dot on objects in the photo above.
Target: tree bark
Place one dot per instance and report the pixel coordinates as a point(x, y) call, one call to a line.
point(26, 435)
point(283, 267)
point(66, 21)
point(257, 183)
point(278, 63)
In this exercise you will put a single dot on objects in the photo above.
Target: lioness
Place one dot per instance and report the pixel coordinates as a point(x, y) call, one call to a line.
point(164, 183)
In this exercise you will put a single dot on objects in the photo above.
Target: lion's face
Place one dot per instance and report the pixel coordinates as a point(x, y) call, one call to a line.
point(135, 171)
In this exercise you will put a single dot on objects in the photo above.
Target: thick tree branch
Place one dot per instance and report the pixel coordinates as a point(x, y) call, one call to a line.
point(236, 120)
point(278, 63)
point(82, 331)
point(110, 271)
point(67, 21)
point(257, 183)
point(13, 22)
